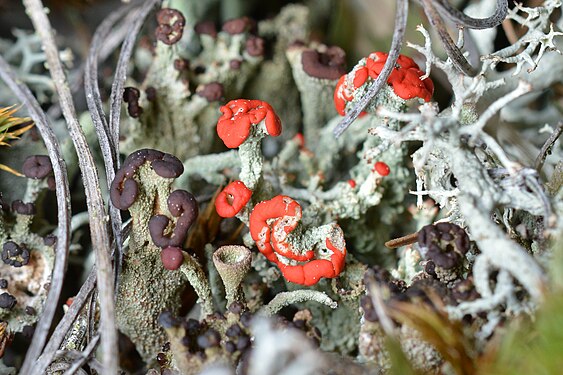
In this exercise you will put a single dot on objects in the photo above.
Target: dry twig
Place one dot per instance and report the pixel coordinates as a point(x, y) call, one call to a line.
point(98, 225)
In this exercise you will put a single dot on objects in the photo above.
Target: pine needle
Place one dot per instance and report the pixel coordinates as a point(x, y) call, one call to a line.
point(7, 122)
point(7, 132)
point(445, 335)
point(4, 167)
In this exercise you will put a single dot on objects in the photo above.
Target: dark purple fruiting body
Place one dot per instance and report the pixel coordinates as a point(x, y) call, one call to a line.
point(131, 94)
point(157, 225)
point(192, 326)
point(235, 64)
point(51, 183)
point(123, 196)
point(151, 94)
point(168, 167)
point(30, 310)
point(430, 269)
point(182, 205)
point(161, 359)
point(233, 331)
point(181, 64)
point(230, 347)
point(37, 167)
point(131, 97)
point(239, 25)
point(167, 320)
point(7, 301)
point(172, 257)
point(170, 26)
point(212, 91)
point(246, 318)
point(236, 307)
point(209, 339)
point(19, 207)
point(49, 240)
point(124, 189)
point(15, 255)
point(330, 64)
point(445, 244)
point(206, 28)
point(255, 46)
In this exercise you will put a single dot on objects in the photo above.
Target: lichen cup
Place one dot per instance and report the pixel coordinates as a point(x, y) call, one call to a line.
point(232, 263)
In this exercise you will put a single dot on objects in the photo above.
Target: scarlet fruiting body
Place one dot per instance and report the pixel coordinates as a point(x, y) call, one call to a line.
point(300, 139)
point(239, 115)
point(287, 213)
point(311, 272)
point(381, 168)
point(405, 80)
point(232, 199)
point(342, 95)
point(271, 223)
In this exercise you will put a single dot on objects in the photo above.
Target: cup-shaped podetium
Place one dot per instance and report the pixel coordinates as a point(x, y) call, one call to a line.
point(232, 263)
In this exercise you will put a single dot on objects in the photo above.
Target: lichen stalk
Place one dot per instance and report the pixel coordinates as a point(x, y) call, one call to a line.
point(316, 96)
point(287, 298)
point(251, 158)
point(196, 277)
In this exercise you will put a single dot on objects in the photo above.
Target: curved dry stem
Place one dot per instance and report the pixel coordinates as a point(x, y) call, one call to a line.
point(23, 93)
point(375, 86)
point(93, 97)
point(460, 18)
point(110, 150)
point(375, 294)
point(546, 148)
point(84, 357)
point(534, 185)
point(98, 226)
point(453, 52)
point(65, 324)
point(116, 97)
point(110, 44)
